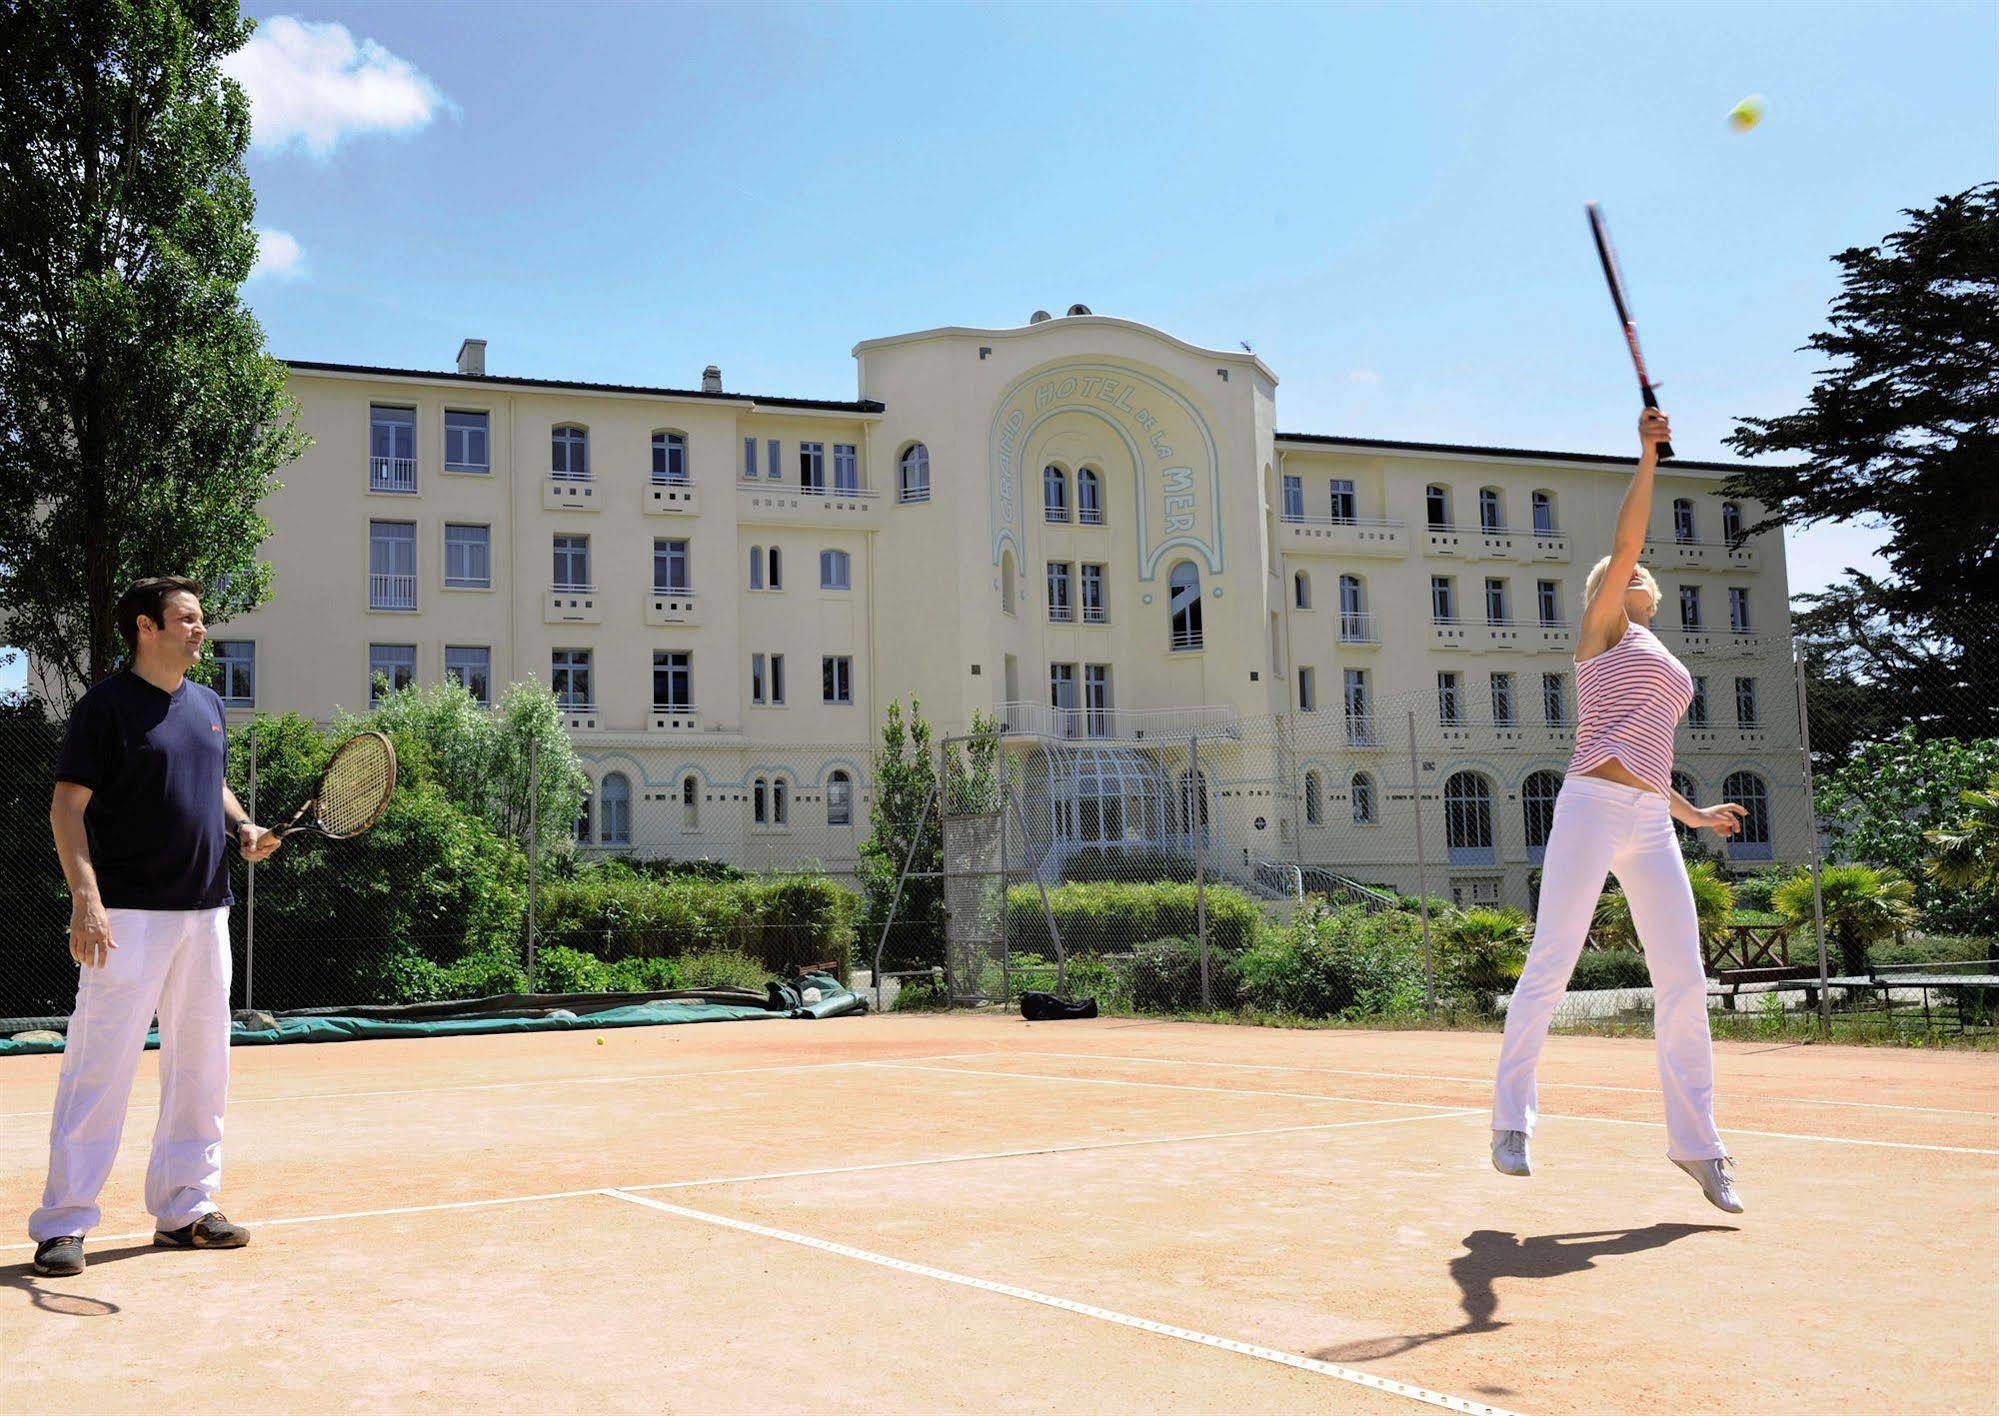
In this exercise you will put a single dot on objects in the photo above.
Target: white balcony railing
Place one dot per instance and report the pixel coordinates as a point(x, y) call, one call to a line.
point(1096, 614)
point(558, 475)
point(1046, 720)
point(391, 592)
point(1358, 627)
point(392, 474)
point(1299, 518)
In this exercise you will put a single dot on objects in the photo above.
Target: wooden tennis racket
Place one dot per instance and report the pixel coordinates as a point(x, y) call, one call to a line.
point(1613, 277)
point(353, 790)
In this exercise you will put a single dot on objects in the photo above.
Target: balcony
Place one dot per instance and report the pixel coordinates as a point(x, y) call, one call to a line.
point(565, 491)
point(571, 604)
point(1365, 730)
point(1506, 634)
point(1664, 553)
point(774, 504)
point(392, 592)
point(1691, 639)
point(673, 718)
point(1449, 633)
point(1359, 629)
point(1703, 736)
point(1061, 614)
point(392, 474)
point(1096, 614)
point(1740, 554)
point(1552, 635)
point(1551, 546)
point(1343, 536)
point(1441, 539)
point(1498, 543)
point(1127, 724)
point(1741, 641)
point(577, 715)
point(671, 608)
point(671, 498)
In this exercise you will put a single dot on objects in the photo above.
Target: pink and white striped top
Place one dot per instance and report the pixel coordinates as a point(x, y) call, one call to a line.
point(1628, 700)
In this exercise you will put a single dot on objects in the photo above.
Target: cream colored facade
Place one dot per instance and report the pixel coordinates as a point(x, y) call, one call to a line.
point(947, 597)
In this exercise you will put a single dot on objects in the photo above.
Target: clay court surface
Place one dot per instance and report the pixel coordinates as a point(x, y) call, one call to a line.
point(925, 1214)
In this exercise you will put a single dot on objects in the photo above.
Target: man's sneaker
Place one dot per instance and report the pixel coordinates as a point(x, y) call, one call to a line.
point(61, 1256)
point(1712, 1176)
point(211, 1231)
point(1509, 1153)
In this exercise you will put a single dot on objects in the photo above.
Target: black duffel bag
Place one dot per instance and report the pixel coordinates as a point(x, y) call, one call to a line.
point(1046, 1007)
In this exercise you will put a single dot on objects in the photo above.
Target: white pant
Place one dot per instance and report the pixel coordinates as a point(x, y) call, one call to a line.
point(175, 961)
point(1602, 826)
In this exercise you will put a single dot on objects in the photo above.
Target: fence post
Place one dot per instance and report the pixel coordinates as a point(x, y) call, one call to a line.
point(250, 888)
point(534, 844)
point(1200, 806)
point(1422, 871)
point(1812, 826)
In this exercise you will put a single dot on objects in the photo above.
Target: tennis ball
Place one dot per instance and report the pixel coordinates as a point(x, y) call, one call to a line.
point(600, 1042)
point(1746, 114)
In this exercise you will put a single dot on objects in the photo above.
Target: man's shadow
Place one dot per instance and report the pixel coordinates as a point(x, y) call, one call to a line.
point(48, 1294)
point(1492, 1254)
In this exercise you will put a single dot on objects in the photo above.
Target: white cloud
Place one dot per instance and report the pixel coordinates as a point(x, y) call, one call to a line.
point(314, 84)
point(1364, 376)
point(278, 254)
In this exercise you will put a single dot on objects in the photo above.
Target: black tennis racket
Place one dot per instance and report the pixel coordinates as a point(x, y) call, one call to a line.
point(353, 790)
point(1601, 231)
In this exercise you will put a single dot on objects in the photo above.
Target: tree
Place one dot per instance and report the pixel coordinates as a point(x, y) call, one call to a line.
point(141, 421)
point(1714, 904)
point(1860, 905)
point(1967, 847)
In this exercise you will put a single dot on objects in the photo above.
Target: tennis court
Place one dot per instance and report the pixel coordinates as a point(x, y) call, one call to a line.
point(946, 1213)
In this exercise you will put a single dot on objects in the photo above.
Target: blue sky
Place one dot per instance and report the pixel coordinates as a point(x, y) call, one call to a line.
point(1385, 201)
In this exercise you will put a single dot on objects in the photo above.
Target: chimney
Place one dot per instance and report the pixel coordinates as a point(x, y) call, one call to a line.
point(472, 358)
point(711, 379)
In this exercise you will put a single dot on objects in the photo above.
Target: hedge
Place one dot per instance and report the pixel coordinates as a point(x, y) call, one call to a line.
point(781, 921)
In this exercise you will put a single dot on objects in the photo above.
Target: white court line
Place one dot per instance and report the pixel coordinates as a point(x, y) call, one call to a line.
point(1475, 1081)
point(808, 1174)
point(1318, 1096)
point(1070, 1305)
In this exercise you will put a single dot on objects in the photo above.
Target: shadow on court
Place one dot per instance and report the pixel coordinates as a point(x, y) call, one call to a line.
point(1493, 1254)
point(51, 1294)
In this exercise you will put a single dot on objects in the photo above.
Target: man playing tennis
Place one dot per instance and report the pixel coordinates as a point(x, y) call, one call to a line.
point(142, 817)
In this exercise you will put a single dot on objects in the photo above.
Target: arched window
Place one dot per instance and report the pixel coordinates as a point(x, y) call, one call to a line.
point(1686, 787)
point(1006, 581)
point(1054, 493)
point(690, 803)
point(760, 801)
point(1301, 590)
point(756, 567)
point(1184, 605)
point(1314, 799)
point(780, 803)
point(1355, 627)
point(835, 571)
point(1537, 811)
point(1437, 506)
point(1731, 523)
point(669, 458)
point(569, 453)
point(1468, 818)
point(1490, 517)
point(1544, 513)
point(776, 568)
point(1193, 801)
point(1361, 789)
point(1683, 521)
point(583, 817)
point(617, 815)
point(1748, 791)
point(1089, 497)
point(839, 800)
point(913, 474)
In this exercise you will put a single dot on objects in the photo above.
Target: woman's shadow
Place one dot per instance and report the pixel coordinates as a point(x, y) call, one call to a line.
point(1492, 1254)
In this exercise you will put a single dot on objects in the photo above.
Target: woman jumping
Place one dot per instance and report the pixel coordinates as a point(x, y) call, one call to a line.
point(1616, 813)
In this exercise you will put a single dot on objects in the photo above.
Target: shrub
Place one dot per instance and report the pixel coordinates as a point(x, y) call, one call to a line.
point(919, 995)
point(1090, 976)
point(723, 968)
point(1934, 949)
point(1753, 891)
point(1861, 906)
point(1479, 952)
point(1108, 917)
point(1610, 968)
point(1166, 976)
point(615, 911)
point(1714, 899)
point(1344, 962)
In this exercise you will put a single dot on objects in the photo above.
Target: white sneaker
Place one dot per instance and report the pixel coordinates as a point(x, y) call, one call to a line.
point(1712, 1176)
point(1509, 1153)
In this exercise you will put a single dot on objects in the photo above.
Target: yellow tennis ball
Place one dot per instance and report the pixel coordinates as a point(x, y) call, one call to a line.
point(1746, 114)
point(600, 1042)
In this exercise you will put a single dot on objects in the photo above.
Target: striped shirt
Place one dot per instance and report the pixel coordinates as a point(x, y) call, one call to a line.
point(1628, 700)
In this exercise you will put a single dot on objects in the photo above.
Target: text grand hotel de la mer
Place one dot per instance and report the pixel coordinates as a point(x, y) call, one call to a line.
point(1084, 527)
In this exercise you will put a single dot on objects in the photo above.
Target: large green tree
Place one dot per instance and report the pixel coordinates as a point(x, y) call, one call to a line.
point(141, 421)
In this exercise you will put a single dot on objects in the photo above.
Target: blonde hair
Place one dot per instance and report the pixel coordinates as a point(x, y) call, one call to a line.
point(1640, 573)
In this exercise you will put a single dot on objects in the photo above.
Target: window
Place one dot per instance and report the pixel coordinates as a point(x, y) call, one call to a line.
point(1544, 513)
point(1062, 697)
point(471, 668)
point(569, 677)
point(760, 801)
point(749, 466)
point(839, 800)
point(1097, 700)
point(1354, 625)
point(1738, 609)
point(1342, 499)
point(1554, 700)
point(1548, 599)
point(1745, 703)
point(776, 561)
point(669, 567)
point(569, 453)
point(236, 676)
point(1184, 605)
point(846, 470)
point(1308, 690)
point(1684, 785)
point(672, 681)
point(1360, 723)
point(1495, 600)
point(836, 678)
point(465, 442)
point(392, 565)
point(1361, 790)
point(391, 449)
point(1096, 609)
point(690, 803)
point(1301, 590)
point(1443, 609)
point(1731, 523)
point(759, 680)
point(1006, 582)
point(669, 459)
point(756, 567)
point(1294, 498)
point(584, 832)
point(394, 664)
point(1054, 493)
point(1468, 818)
point(780, 802)
point(1449, 709)
point(615, 798)
point(1437, 507)
point(1690, 607)
point(774, 460)
point(572, 563)
point(1697, 706)
point(913, 474)
point(812, 468)
point(1060, 608)
point(1683, 521)
point(835, 571)
point(1748, 791)
point(1089, 497)
point(1502, 700)
point(1194, 803)
point(1314, 800)
point(1537, 811)
point(1490, 517)
point(468, 557)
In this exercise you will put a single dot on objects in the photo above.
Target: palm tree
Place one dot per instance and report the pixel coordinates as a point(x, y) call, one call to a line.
point(1482, 950)
point(1860, 904)
point(1967, 849)
point(1714, 902)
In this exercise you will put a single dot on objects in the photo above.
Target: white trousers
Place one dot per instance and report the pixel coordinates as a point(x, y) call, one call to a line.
point(1600, 827)
point(176, 962)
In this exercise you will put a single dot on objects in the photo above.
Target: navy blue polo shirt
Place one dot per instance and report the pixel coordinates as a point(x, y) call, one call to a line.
point(154, 764)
